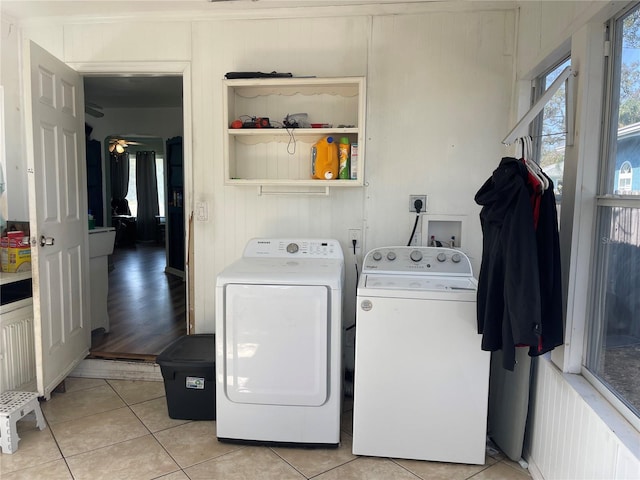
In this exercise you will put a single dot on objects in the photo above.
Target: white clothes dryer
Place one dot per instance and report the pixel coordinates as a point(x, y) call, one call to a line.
point(279, 343)
point(421, 378)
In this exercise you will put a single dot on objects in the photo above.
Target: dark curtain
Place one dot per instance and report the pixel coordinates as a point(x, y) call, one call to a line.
point(147, 191)
point(119, 163)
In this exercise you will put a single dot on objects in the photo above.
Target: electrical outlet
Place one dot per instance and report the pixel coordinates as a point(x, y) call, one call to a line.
point(355, 234)
point(412, 200)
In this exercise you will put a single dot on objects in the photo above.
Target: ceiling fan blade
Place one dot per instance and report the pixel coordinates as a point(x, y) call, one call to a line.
point(93, 112)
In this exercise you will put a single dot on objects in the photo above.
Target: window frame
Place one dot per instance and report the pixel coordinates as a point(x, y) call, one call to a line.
point(538, 89)
point(603, 200)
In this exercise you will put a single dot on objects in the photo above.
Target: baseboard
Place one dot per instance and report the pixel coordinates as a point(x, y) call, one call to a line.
point(174, 271)
point(117, 370)
point(534, 471)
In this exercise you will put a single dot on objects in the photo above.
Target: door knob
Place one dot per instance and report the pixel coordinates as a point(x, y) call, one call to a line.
point(46, 240)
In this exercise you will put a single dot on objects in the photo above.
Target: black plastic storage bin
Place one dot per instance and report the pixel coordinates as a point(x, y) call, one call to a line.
point(188, 370)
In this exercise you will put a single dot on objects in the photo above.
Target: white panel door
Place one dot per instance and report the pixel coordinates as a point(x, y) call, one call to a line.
point(276, 340)
point(57, 215)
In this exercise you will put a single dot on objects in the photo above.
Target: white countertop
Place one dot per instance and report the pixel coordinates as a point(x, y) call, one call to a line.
point(6, 277)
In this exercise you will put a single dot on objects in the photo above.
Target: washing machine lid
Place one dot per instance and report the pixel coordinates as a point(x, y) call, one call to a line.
point(418, 287)
point(411, 282)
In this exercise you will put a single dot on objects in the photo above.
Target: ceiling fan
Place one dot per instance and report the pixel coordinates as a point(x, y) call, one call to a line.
point(120, 144)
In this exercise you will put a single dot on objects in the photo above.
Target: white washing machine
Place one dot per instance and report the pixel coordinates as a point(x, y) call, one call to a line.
point(279, 343)
point(421, 378)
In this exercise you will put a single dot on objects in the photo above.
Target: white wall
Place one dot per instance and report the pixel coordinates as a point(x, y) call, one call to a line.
point(437, 113)
point(568, 438)
point(10, 79)
point(545, 30)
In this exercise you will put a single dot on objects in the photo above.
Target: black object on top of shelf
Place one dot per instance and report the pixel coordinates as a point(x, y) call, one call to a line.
point(233, 75)
point(14, 291)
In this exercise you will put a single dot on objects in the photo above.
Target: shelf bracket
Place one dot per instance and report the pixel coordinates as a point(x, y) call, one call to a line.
point(311, 193)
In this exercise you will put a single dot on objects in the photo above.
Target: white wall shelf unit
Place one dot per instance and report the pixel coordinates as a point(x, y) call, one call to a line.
point(279, 156)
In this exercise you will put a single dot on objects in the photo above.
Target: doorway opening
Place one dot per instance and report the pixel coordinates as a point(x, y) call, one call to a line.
point(147, 289)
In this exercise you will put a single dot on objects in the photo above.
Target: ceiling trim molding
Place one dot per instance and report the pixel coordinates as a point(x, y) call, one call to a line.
point(264, 11)
point(130, 68)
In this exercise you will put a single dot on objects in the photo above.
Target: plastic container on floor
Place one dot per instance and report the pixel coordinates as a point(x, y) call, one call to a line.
point(188, 370)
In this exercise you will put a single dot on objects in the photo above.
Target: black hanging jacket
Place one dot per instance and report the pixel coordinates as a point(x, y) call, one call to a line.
point(508, 302)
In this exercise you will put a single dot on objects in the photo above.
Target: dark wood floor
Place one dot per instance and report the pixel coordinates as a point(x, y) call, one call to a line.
point(147, 307)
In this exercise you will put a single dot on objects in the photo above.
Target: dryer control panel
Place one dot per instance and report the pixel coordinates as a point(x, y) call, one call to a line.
point(417, 261)
point(293, 248)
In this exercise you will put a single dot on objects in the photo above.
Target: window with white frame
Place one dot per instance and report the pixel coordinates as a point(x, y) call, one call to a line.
point(550, 129)
point(132, 193)
point(612, 357)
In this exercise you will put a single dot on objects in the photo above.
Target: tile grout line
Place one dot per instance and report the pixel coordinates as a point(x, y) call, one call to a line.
point(288, 463)
point(152, 434)
point(334, 468)
point(55, 440)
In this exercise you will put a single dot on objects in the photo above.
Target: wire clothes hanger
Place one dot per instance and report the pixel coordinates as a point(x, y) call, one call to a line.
point(526, 144)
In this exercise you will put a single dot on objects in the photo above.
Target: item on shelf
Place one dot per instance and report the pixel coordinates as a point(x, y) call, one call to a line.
point(296, 120)
point(15, 253)
point(344, 172)
point(321, 125)
point(232, 75)
point(324, 159)
point(353, 161)
point(257, 122)
point(236, 124)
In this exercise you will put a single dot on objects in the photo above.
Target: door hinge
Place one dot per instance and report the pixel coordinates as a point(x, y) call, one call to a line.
point(607, 48)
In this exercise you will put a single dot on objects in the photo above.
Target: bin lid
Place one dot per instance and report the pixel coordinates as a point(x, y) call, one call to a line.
point(189, 349)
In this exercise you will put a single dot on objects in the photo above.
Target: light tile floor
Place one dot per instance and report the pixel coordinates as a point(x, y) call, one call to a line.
point(120, 429)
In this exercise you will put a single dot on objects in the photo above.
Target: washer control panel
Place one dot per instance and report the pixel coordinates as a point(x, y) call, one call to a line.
point(417, 260)
point(293, 248)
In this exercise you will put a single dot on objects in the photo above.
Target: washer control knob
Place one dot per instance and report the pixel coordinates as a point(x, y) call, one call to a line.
point(391, 256)
point(292, 248)
point(377, 256)
point(441, 257)
point(455, 258)
point(416, 255)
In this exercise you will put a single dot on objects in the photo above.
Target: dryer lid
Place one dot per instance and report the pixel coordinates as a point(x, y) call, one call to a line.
point(316, 262)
